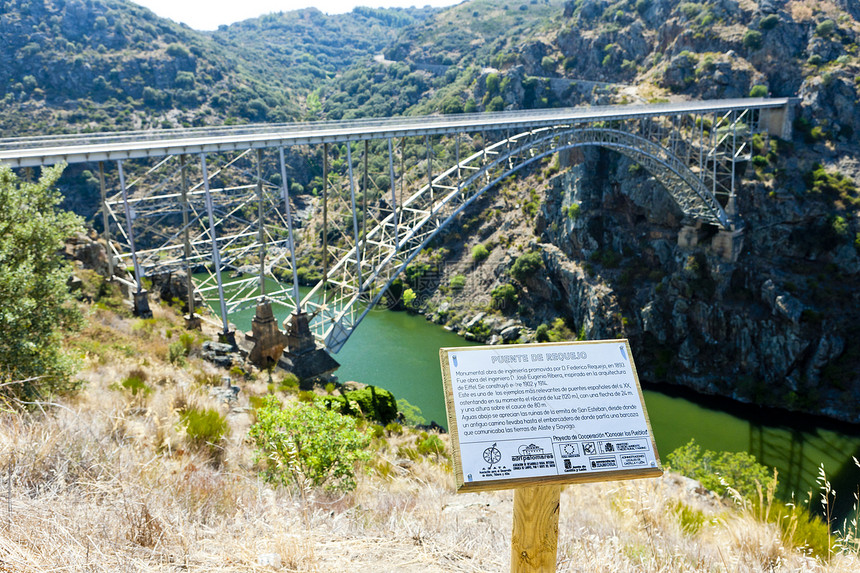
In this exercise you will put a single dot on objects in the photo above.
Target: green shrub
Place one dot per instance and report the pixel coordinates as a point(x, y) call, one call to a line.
point(135, 384)
point(690, 519)
point(409, 297)
point(833, 184)
point(204, 428)
point(769, 22)
point(839, 226)
point(178, 51)
point(457, 282)
point(480, 253)
point(176, 353)
point(411, 414)
point(542, 333)
point(526, 265)
point(375, 403)
point(825, 29)
point(607, 257)
point(799, 527)
point(759, 161)
point(690, 9)
point(752, 40)
point(739, 470)
point(758, 90)
point(495, 104)
point(289, 383)
point(573, 211)
point(504, 296)
point(530, 208)
point(558, 332)
point(431, 445)
point(308, 446)
point(307, 396)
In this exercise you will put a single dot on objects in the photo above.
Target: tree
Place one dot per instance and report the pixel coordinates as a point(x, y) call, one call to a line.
point(35, 304)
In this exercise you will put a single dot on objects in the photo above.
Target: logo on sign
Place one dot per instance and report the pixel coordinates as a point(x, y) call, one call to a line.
point(603, 463)
point(569, 451)
point(530, 450)
point(492, 455)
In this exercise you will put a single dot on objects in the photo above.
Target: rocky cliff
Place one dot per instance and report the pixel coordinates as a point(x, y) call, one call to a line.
point(777, 327)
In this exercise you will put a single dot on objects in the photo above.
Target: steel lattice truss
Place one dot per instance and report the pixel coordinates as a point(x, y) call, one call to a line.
point(234, 238)
point(694, 171)
point(215, 202)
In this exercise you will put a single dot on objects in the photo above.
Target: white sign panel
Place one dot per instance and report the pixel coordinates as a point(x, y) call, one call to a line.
point(568, 412)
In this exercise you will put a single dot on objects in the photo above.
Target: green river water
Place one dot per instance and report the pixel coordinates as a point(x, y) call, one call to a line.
point(400, 352)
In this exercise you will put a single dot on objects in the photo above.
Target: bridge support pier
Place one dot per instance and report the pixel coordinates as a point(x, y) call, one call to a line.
point(269, 341)
point(193, 322)
point(777, 121)
point(299, 337)
point(689, 235)
point(728, 244)
point(302, 357)
point(141, 304)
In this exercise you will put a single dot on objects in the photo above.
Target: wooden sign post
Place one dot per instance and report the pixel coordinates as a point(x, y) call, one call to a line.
point(533, 417)
point(534, 539)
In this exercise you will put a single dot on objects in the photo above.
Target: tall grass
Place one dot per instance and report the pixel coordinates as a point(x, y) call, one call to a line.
point(91, 484)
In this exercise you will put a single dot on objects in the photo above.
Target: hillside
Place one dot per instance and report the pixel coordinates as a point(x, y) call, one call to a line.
point(297, 51)
point(82, 66)
point(776, 328)
point(122, 477)
point(151, 466)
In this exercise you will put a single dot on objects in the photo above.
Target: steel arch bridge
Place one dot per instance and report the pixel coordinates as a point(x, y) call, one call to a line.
point(217, 200)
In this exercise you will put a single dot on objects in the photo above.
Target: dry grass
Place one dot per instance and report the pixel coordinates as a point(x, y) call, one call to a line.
point(803, 10)
point(106, 482)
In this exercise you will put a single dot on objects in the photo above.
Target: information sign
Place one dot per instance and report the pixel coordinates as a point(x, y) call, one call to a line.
point(533, 414)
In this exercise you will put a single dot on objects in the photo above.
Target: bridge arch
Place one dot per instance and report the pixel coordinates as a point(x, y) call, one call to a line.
point(424, 215)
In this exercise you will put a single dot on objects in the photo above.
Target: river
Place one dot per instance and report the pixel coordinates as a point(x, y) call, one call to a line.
point(400, 352)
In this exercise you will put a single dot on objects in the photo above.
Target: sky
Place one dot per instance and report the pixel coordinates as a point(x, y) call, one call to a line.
point(209, 14)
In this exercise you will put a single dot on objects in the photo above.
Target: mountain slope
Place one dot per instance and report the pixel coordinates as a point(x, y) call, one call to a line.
point(783, 317)
point(79, 65)
point(297, 50)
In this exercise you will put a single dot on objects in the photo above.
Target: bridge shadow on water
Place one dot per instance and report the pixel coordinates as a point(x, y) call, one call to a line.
point(796, 444)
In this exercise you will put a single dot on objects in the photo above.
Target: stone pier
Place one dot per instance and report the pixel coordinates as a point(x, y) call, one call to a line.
point(690, 235)
point(728, 244)
point(302, 357)
point(269, 341)
point(141, 304)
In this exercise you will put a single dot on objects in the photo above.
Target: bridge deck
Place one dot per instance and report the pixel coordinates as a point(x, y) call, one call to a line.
point(47, 150)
